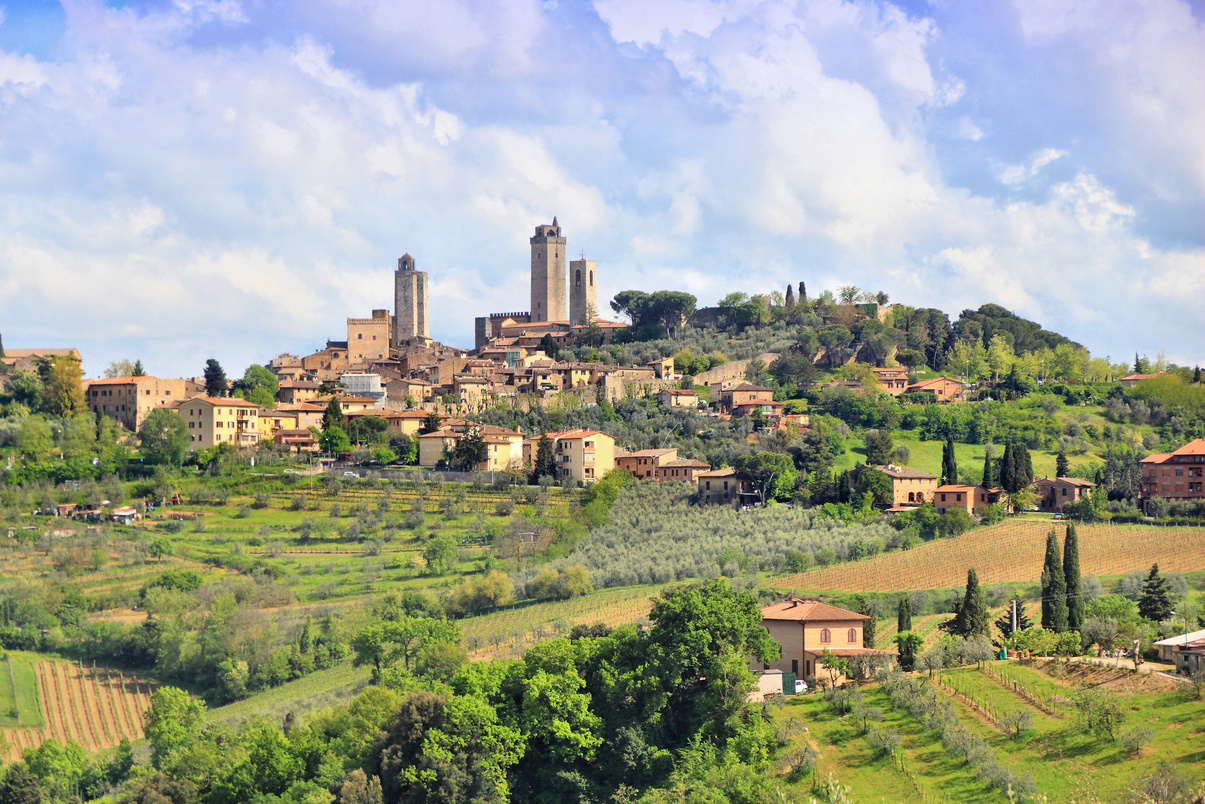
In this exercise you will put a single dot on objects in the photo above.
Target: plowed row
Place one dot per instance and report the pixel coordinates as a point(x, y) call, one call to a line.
point(95, 707)
point(1012, 551)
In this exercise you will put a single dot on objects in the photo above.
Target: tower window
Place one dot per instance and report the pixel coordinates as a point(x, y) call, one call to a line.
point(591, 279)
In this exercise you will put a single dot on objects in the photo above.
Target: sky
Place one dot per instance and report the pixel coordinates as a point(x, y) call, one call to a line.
point(234, 178)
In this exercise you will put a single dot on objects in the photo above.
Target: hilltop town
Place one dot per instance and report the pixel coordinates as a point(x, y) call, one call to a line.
point(850, 494)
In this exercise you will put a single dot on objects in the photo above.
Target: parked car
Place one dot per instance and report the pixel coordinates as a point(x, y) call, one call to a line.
point(291, 472)
point(800, 686)
point(350, 474)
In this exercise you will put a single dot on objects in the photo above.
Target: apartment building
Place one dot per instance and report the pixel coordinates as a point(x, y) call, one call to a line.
point(1178, 475)
point(214, 421)
point(128, 400)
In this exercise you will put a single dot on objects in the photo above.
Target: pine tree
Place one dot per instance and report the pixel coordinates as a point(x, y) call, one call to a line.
point(1156, 601)
point(333, 417)
point(1005, 622)
point(989, 474)
point(20, 786)
point(139, 371)
point(1061, 466)
point(868, 626)
point(903, 617)
point(215, 379)
point(1073, 585)
point(1054, 587)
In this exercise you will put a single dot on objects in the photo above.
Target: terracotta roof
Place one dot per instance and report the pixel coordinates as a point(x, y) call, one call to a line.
point(904, 472)
point(1196, 447)
point(688, 462)
point(575, 434)
point(1158, 457)
point(801, 610)
point(726, 471)
point(119, 380)
point(952, 487)
point(649, 453)
point(1073, 481)
point(1137, 377)
point(230, 401)
point(748, 387)
point(678, 392)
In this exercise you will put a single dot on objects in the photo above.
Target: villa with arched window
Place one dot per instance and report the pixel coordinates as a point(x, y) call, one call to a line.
point(806, 629)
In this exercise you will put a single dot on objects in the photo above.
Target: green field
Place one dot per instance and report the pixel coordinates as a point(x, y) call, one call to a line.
point(19, 705)
point(1064, 762)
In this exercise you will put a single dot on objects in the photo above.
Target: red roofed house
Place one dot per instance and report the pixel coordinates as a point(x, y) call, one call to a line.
point(220, 421)
point(724, 486)
point(643, 463)
point(1178, 475)
point(973, 499)
point(1130, 380)
point(1054, 493)
point(682, 469)
point(945, 389)
point(678, 398)
point(806, 629)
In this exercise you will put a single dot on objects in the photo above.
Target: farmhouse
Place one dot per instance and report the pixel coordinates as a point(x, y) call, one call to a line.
point(973, 499)
point(909, 486)
point(807, 629)
point(1053, 494)
point(723, 486)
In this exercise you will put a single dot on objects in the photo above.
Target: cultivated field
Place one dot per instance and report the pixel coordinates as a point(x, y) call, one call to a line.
point(1011, 551)
point(96, 707)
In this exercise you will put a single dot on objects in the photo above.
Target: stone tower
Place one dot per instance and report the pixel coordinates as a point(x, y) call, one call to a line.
point(410, 302)
point(548, 274)
point(583, 290)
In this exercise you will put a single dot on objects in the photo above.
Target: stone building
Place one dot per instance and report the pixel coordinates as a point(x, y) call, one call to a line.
point(583, 291)
point(548, 274)
point(409, 302)
point(807, 629)
point(368, 338)
point(130, 399)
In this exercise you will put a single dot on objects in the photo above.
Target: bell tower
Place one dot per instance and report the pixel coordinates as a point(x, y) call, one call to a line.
point(583, 290)
point(410, 302)
point(548, 274)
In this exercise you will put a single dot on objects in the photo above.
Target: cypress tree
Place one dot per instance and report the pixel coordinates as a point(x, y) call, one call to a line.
point(868, 626)
point(1061, 466)
point(903, 617)
point(973, 618)
point(789, 300)
point(989, 474)
point(949, 463)
point(1074, 589)
point(1137, 364)
point(1006, 468)
point(1196, 374)
point(1054, 587)
point(803, 292)
point(1156, 601)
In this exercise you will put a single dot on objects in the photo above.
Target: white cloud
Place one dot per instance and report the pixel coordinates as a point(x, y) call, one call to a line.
point(1016, 175)
point(236, 201)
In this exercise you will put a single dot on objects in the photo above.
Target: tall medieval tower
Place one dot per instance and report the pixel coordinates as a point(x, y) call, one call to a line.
point(548, 274)
point(410, 302)
point(583, 291)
